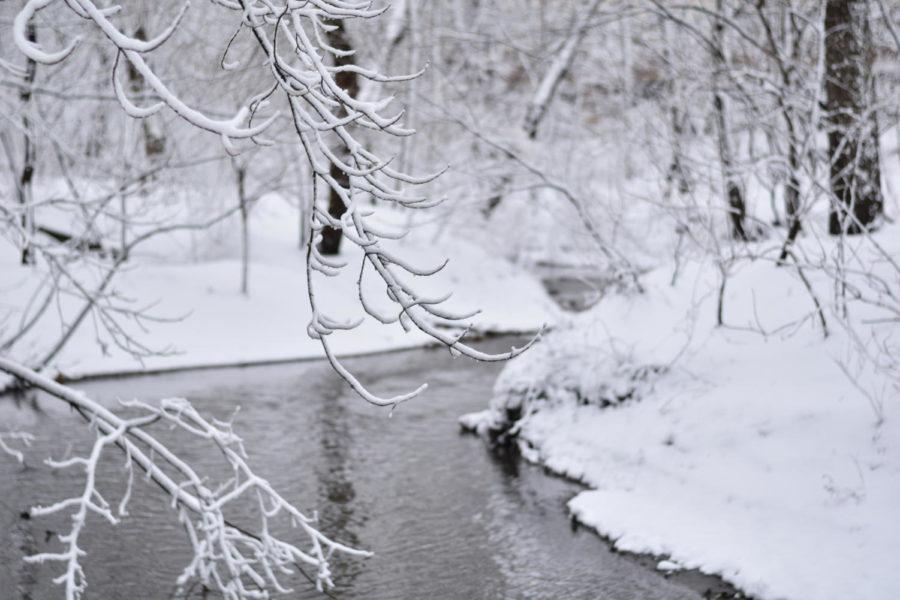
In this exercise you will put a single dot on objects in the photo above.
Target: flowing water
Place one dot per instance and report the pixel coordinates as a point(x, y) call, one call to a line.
point(446, 516)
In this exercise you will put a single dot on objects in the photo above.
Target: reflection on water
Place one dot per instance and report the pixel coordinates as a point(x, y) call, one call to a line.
point(336, 493)
point(446, 517)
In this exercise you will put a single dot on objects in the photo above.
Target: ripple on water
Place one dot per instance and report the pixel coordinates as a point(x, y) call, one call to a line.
point(446, 517)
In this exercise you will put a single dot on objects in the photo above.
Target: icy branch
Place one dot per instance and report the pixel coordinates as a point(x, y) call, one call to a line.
point(229, 559)
point(305, 68)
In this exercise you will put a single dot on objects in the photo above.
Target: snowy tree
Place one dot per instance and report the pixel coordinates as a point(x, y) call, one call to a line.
point(320, 98)
point(852, 118)
point(348, 80)
point(647, 144)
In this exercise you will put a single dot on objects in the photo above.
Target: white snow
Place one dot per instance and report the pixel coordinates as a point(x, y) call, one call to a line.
point(668, 566)
point(219, 326)
point(725, 450)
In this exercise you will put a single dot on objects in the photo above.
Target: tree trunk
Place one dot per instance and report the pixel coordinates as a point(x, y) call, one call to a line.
point(677, 172)
point(26, 175)
point(791, 45)
point(850, 116)
point(123, 226)
point(408, 144)
point(349, 82)
point(734, 196)
point(154, 140)
point(241, 176)
point(558, 69)
point(304, 207)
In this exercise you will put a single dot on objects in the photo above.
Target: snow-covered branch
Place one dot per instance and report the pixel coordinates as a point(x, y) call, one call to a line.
point(226, 557)
point(304, 67)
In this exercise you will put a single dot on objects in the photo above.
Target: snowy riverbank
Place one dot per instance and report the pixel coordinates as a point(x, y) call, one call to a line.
point(758, 451)
point(206, 321)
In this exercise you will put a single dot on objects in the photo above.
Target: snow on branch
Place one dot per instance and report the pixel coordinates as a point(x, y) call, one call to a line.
point(324, 116)
point(19, 436)
point(294, 39)
point(226, 558)
point(133, 49)
point(327, 120)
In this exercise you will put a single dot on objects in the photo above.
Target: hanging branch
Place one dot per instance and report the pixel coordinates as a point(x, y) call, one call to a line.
point(306, 69)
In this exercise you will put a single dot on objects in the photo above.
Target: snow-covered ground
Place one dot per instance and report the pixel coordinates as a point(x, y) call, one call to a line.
point(758, 451)
point(214, 324)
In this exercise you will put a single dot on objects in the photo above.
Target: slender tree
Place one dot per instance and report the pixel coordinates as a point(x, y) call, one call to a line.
point(677, 172)
point(850, 116)
point(29, 155)
point(734, 195)
point(347, 80)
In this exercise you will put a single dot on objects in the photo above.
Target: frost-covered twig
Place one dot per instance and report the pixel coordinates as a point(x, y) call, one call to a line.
point(304, 68)
point(227, 558)
point(318, 107)
point(619, 262)
point(20, 436)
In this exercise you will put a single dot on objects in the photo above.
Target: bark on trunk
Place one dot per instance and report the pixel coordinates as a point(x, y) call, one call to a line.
point(241, 175)
point(26, 175)
point(349, 82)
point(852, 125)
point(734, 196)
point(784, 53)
point(677, 172)
point(154, 140)
point(559, 67)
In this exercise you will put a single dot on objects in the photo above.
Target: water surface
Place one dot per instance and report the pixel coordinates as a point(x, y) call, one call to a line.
point(446, 517)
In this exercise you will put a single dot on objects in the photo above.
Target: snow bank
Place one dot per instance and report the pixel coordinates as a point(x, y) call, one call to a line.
point(748, 455)
point(211, 323)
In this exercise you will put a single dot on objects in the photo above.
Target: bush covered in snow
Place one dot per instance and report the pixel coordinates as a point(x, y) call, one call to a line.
point(758, 449)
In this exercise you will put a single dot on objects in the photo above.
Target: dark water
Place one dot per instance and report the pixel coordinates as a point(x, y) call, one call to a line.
point(575, 291)
point(446, 517)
